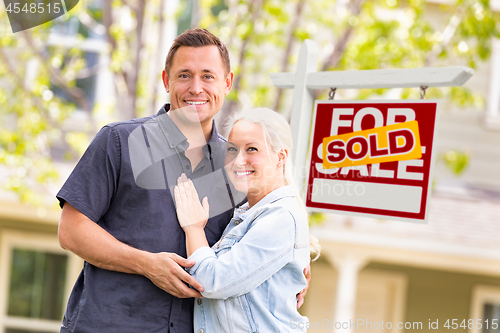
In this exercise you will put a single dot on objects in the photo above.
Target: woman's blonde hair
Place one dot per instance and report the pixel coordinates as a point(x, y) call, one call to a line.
point(279, 136)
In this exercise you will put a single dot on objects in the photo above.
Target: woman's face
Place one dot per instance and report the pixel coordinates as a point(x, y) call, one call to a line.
point(252, 165)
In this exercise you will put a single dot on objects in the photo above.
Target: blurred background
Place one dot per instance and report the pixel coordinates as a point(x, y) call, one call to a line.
point(101, 62)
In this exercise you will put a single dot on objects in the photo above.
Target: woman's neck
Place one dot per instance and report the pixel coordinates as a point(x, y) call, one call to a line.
point(254, 198)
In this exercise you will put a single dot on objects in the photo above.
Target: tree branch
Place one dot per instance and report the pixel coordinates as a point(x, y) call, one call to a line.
point(290, 41)
point(256, 10)
point(344, 39)
point(342, 42)
point(158, 55)
point(446, 36)
point(77, 94)
point(133, 78)
point(20, 82)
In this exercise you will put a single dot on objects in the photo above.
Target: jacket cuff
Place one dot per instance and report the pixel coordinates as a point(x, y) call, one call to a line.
point(199, 256)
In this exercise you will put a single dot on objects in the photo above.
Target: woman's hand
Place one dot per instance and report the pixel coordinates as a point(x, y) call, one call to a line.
point(190, 212)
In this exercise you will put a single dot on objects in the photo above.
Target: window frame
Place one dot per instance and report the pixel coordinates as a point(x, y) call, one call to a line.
point(10, 240)
point(482, 294)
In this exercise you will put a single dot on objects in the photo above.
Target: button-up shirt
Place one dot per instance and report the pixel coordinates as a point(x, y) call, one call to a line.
point(125, 189)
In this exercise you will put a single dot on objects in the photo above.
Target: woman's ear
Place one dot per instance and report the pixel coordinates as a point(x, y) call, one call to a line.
point(282, 156)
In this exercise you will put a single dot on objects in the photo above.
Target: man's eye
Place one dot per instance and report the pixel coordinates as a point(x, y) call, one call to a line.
point(183, 76)
point(208, 76)
point(231, 149)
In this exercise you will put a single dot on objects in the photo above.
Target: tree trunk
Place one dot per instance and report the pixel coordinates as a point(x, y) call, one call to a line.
point(342, 42)
point(290, 41)
point(230, 108)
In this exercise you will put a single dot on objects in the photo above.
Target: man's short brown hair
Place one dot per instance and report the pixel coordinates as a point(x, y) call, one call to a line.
point(197, 38)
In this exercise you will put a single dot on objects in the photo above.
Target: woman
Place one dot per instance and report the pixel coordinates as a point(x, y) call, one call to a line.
point(252, 275)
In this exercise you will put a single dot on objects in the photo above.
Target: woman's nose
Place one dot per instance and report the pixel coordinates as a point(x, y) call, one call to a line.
point(240, 159)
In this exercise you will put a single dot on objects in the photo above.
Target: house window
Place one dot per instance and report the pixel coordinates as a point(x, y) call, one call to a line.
point(485, 309)
point(33, 283)
point(492, 313)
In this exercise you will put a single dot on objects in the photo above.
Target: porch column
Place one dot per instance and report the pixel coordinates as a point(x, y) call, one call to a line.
point(348, 267)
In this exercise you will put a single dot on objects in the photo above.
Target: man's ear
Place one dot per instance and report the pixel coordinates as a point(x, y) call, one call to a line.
point(164, 77)
point(229, 82)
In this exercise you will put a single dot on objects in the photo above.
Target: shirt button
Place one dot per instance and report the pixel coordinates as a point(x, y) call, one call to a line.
point(187, 166)
point(198, 301)
point(201, 330)
point(236, 222)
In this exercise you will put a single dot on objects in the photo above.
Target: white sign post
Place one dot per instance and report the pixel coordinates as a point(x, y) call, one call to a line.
point(306, 79)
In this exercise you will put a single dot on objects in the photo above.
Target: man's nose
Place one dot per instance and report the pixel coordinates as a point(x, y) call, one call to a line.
point(196, 86)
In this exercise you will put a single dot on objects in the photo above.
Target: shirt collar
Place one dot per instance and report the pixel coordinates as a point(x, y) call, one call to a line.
point(174, 135)
point(244, 211)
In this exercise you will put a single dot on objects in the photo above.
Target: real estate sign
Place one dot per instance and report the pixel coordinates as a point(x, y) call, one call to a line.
point(372, 158)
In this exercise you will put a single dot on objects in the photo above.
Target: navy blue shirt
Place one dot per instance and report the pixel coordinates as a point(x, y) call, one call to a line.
point(123, 183)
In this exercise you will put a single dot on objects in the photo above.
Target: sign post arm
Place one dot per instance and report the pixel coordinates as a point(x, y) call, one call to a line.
point(303, 100)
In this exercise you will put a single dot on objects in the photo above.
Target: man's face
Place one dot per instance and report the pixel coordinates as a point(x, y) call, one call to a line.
point(197, 83)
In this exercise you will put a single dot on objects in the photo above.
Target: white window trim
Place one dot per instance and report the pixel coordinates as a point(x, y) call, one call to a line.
point(33, 241)
point(482, 294)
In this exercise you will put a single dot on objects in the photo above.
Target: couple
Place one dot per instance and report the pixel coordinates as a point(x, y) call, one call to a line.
point(253, 272)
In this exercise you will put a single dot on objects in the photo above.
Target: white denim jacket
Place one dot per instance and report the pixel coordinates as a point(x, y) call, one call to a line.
point(253, 273)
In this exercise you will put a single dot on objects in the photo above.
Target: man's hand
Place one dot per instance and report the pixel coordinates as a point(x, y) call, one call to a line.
point(302, 294)
point(167, 274)
point(78, 234)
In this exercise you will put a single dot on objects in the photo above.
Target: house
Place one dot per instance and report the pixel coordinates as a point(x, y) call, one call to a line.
point(376, 275)
point(372, 272)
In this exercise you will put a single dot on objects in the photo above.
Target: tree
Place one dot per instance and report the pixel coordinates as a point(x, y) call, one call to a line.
point(41, 82)
point(264, 37)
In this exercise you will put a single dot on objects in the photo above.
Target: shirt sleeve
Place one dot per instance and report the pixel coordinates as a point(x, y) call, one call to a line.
point(264, 249)
point(91, 185)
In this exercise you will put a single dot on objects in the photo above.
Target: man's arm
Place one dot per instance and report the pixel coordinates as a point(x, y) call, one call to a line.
point(80, 235)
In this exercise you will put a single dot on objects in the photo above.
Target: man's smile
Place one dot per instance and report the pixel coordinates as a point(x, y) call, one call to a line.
point(196, 102)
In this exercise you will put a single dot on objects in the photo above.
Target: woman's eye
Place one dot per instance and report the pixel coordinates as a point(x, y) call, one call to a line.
point(231, 149)
point(252, 149)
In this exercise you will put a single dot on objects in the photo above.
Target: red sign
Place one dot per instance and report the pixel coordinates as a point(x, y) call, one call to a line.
point(372, 158)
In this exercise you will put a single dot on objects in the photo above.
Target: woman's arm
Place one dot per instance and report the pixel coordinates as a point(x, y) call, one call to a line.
point(191, 215)
point(266, 247)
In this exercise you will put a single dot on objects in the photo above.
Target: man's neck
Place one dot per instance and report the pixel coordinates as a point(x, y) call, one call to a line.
point(197, 136)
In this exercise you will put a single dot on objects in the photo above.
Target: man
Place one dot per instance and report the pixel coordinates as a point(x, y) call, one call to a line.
point(117, 210)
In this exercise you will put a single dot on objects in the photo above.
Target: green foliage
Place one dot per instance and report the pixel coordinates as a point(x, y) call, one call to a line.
point(316, 218)
point(456, 161)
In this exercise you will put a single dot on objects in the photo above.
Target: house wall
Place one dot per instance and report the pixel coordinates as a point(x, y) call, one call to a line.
point(430, 294)
point(464, 130)
point(439, 295)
